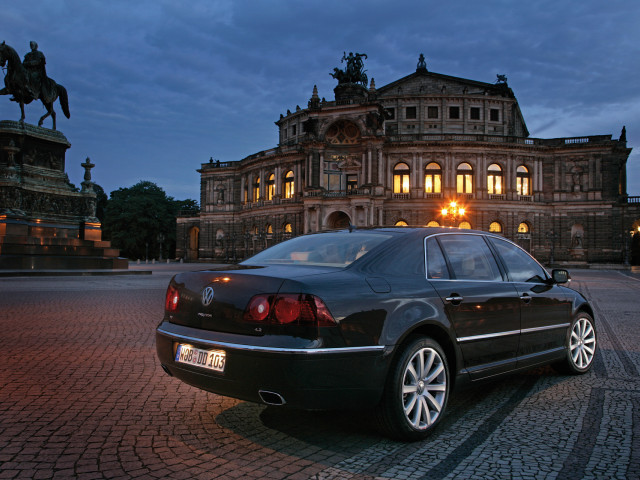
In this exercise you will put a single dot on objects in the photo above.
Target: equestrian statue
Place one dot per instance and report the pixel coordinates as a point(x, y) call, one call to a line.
point(28, 81)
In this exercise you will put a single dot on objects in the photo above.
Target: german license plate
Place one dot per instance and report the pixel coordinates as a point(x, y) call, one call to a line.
point(209, 359)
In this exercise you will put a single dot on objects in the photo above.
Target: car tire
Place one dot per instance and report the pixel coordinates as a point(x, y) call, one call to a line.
point(416, 391)
point(580, 346)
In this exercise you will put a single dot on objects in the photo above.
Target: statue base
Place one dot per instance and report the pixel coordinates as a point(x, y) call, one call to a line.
point(45, 222)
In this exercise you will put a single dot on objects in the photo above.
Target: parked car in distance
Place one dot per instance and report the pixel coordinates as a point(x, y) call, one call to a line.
point(387, 318)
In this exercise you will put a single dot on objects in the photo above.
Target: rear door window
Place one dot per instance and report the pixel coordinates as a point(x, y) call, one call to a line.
point(470, 258)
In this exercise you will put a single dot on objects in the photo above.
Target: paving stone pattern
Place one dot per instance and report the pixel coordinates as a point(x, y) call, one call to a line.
point(82, 396)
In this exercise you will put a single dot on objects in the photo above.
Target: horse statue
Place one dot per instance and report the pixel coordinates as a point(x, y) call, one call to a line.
point(17, 83)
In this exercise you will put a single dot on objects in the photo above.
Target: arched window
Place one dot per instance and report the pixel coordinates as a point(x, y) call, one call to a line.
point(523, 181)
point(269, 229)
point(401, 178)
point(289, 185)
point(523, 228)
point(245, 197)
point(401, 223)
point(495, 227)
point(465, 226)
point(271, 186)
point(433, 178)
point(464, 178)
point(433, 223)
point(287, 228)
point(494, 179)
point(254, 230)
point(256, 188)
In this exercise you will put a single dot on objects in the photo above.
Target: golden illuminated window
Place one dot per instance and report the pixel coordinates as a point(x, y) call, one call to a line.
point(343, 132)
point(523, 228)
point(494, 179)
point(523, 181)
point(433, 223)
point(401, 178)
point(401, 223)
point(464, 178)
point(269, 229)
point(245, 198)
point(271, 186)
point(495, 227)
point(256, 189)
point(287, 228)
point(465, 225)
point(289, 185)
point(433, 178)
point(254, 230)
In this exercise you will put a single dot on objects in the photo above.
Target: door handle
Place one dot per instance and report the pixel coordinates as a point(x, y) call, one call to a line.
point(455, 299)
point(525, 297)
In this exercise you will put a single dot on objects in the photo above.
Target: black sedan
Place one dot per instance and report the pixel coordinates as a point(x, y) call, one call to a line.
point(388, 318)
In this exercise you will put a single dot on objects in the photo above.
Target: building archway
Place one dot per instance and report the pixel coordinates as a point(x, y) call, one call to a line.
point(634, 256)
point(337, 220)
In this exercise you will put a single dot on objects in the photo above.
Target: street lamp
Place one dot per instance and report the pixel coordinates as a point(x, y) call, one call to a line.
point(452, 211)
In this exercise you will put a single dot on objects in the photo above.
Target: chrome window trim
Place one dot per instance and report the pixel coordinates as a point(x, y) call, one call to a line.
point(253, 348)
point(511, 332)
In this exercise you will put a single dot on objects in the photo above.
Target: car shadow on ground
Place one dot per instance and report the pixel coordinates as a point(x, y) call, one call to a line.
point(338, 431)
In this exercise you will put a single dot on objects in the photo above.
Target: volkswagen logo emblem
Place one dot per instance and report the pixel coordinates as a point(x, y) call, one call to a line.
point(207, 296)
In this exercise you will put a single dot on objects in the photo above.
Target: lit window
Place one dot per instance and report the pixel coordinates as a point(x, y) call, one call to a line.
point(271, 186)
point(256, 189)
point(352, 182)
point(254, 230)
point(401, 178)
point(287, 228)
point(523, 228)
point(433, 223)
point(433, 178)
point(245, 198)
point(269, 229)
point(465, 226)
point(523, 181)
point(401, 223)
point(495, 227)
point(289, 185)
point(464, 178)
point(494, 179)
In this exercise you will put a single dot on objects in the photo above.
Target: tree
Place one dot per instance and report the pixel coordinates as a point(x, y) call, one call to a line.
point(101, 201)
point(141, 220)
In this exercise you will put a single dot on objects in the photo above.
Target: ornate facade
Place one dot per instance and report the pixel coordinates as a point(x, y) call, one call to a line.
point(400, 154)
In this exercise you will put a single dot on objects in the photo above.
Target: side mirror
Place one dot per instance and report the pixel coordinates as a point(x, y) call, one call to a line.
point(560, 275)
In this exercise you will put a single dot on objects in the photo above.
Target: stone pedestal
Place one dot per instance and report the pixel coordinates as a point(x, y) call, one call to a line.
point(45, 222)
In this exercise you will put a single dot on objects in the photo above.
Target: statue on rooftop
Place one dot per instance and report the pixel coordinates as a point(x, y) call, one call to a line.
point(354, 72)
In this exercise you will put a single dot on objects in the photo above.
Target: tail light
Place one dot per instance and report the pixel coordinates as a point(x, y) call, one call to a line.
point(172, 299)
point(288, 309)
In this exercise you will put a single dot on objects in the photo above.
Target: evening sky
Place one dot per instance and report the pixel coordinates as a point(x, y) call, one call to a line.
point(158, 87)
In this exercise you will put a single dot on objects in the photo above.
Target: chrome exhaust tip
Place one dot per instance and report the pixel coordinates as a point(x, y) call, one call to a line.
point(271, 398)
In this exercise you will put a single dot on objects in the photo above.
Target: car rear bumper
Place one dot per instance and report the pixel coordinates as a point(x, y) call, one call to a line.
point(309, 378)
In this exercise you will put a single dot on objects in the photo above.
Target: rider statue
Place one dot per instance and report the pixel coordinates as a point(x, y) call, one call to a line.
point(354, 72)
point(34, 62)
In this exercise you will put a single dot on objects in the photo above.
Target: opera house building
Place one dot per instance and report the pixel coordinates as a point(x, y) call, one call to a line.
point(428, 150)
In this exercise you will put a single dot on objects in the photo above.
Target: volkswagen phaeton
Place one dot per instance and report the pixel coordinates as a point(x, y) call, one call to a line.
point(390, 319)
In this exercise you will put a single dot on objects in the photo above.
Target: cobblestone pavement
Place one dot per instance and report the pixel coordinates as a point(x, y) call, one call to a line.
point(82, 396)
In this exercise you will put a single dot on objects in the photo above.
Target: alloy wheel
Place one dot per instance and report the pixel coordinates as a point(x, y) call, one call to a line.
point(424, 388)
point(582, 344)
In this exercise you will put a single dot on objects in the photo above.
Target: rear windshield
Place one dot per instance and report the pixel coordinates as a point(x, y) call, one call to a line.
point(329, 249)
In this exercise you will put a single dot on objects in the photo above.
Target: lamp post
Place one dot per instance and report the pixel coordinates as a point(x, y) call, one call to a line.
point(453, 211)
